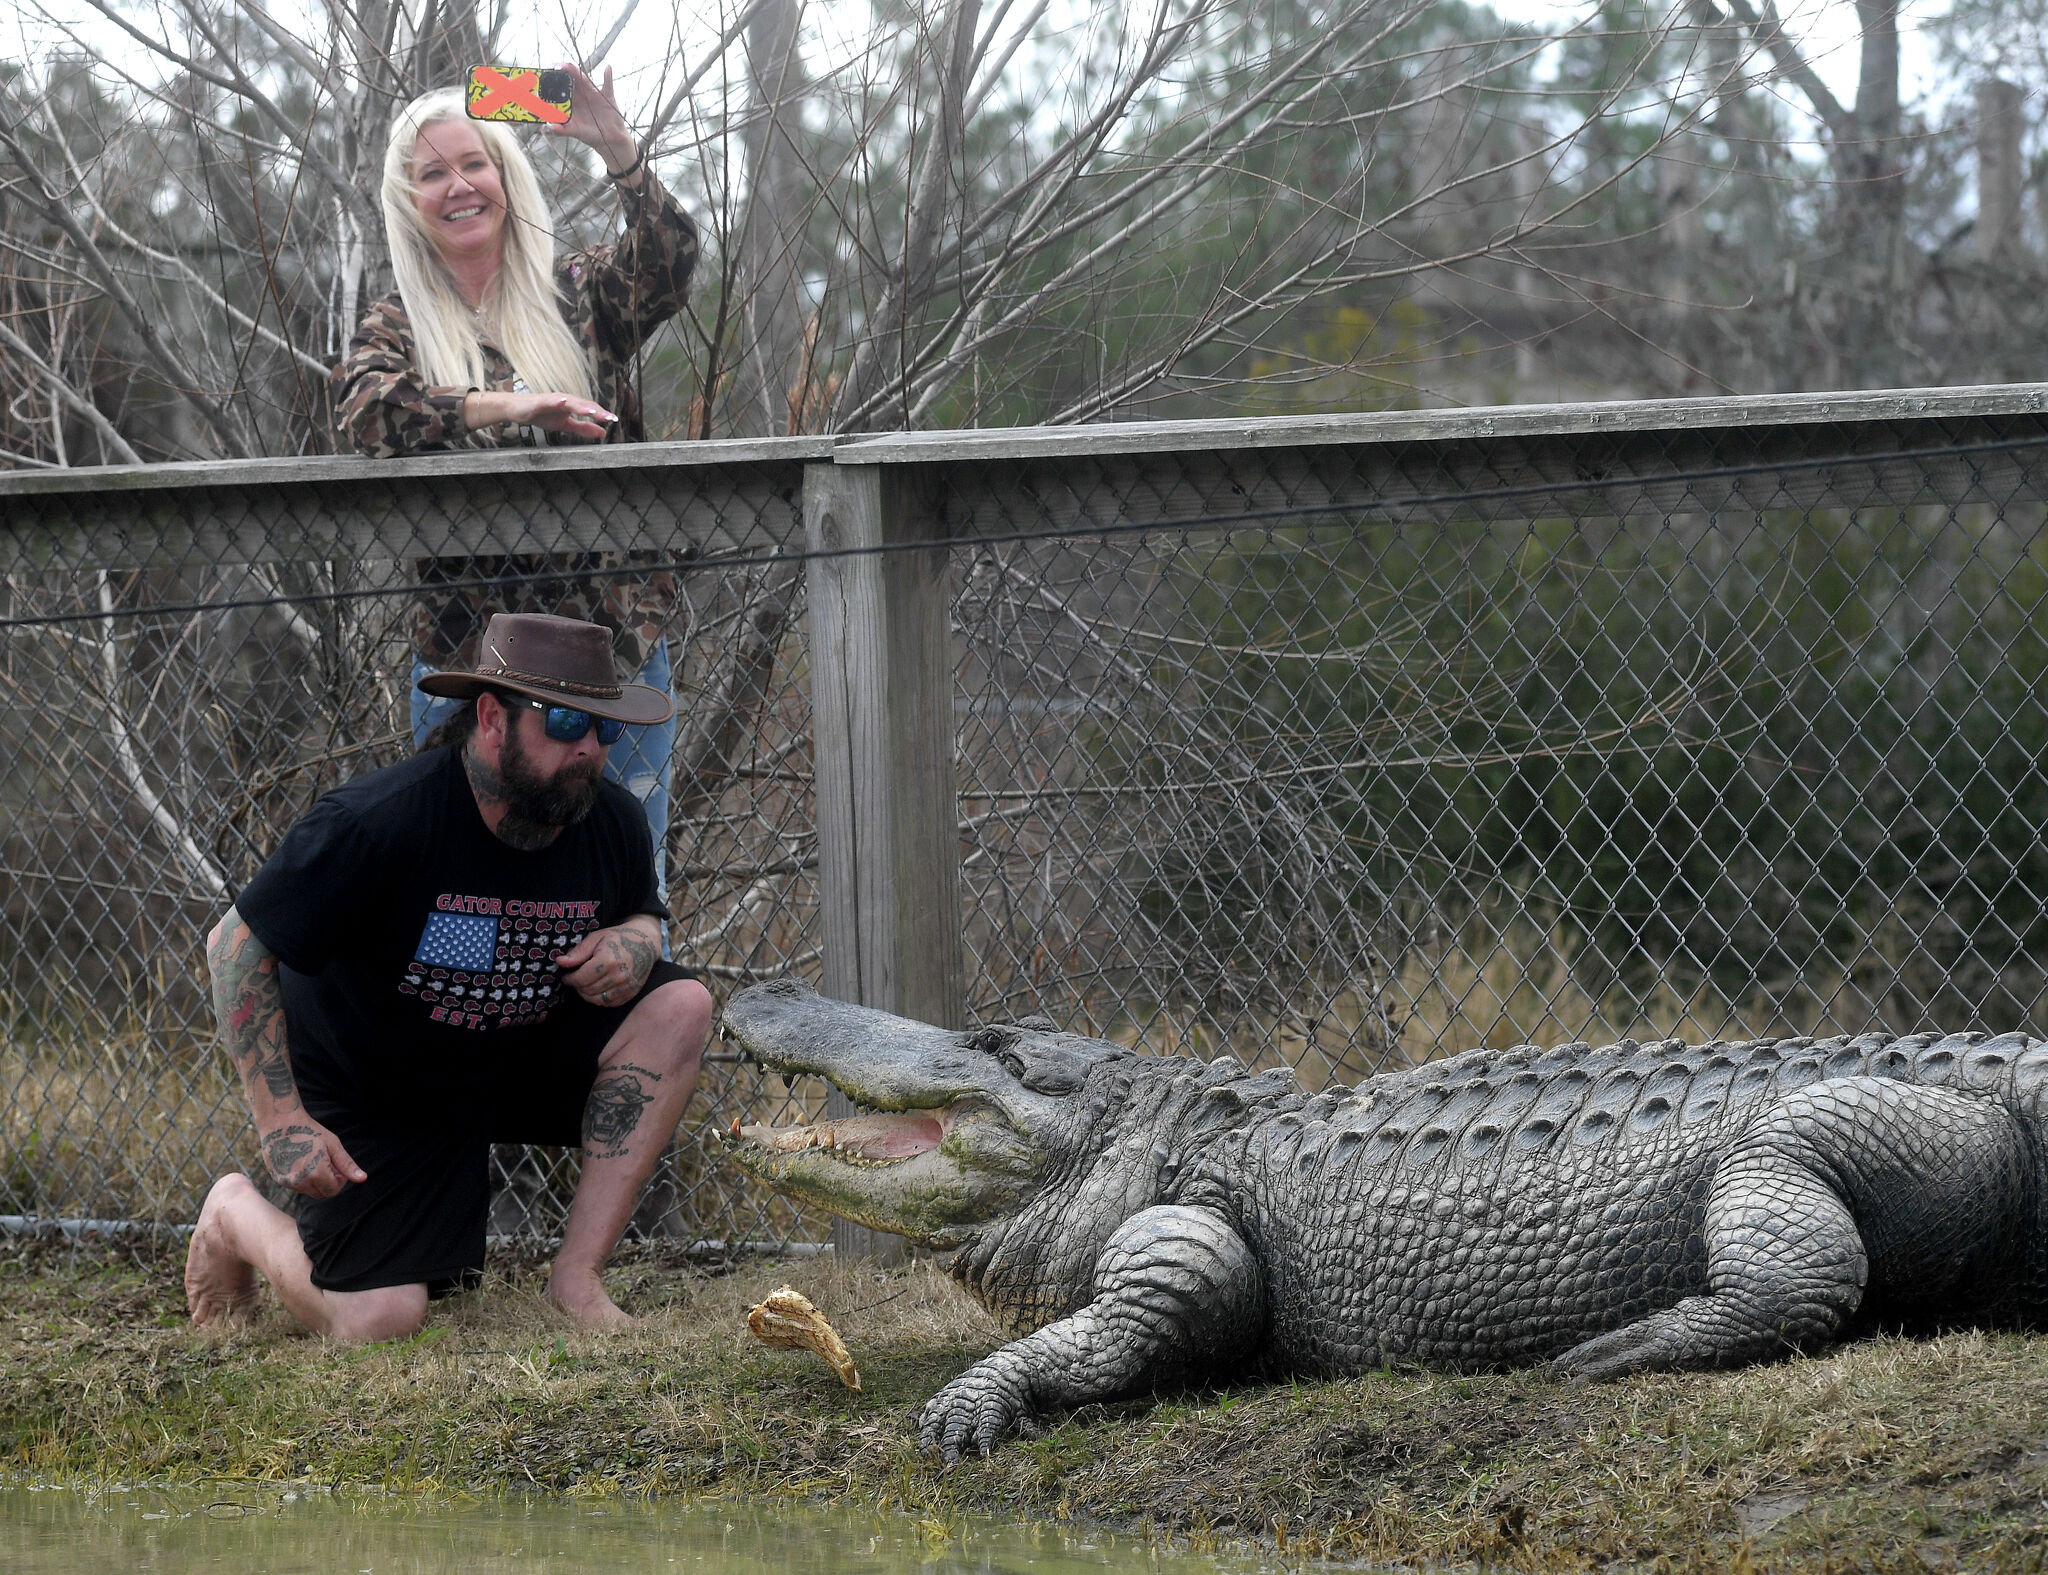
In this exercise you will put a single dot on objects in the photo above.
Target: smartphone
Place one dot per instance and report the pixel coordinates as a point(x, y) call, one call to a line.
point(519, 93)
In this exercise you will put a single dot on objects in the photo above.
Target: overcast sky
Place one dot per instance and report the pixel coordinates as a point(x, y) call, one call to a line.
point(646, 56)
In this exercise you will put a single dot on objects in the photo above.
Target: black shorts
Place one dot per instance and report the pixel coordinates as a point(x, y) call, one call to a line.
point(419, 1218)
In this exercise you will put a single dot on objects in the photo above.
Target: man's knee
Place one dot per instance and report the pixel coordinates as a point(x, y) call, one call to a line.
point(389, 1313)
point(678, 1018)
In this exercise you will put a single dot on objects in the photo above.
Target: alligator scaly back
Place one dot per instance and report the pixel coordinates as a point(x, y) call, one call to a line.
point(1501, 1207)
point(1526, 1101)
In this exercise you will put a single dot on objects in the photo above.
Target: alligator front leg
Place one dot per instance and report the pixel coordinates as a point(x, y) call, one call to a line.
point(1175, 1289)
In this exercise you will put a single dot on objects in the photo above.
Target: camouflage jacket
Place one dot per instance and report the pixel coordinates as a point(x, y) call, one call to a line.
point(640, 606)
point(612, 297)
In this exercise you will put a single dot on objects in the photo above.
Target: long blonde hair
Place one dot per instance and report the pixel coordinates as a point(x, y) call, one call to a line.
point(530, 328)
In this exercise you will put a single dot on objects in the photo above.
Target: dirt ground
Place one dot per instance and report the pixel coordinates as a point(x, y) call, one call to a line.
point(1884, 1454)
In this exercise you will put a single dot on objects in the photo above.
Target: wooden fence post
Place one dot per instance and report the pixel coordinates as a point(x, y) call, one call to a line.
point(881, 653)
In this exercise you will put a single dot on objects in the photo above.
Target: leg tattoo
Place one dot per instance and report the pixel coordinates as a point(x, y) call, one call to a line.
point(612, 1112)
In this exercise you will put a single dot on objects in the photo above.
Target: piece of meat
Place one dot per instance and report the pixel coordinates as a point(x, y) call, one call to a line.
point(787, 1319)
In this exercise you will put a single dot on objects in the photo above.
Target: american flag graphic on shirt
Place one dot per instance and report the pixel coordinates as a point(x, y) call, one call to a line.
point(494, 970)
point(459, 940)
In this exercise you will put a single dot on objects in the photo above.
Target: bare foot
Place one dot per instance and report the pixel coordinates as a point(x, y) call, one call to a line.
point(580, 1295)
point(218, 1284)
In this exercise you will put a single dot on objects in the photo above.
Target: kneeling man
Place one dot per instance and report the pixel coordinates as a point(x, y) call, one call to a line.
point(461, 949)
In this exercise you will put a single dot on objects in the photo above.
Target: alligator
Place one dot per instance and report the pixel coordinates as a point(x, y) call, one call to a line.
point(1143, 1220)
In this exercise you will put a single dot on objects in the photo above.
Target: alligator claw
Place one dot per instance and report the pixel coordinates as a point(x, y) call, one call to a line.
point(1606, 1357)
point(977, 1411)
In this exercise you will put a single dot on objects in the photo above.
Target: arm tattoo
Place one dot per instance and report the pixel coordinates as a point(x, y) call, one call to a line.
point(291, 1154)
point(612, 1113)
point(277, 1076)
point(250, 1005)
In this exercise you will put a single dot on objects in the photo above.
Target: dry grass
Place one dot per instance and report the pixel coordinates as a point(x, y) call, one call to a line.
point(1496, 984)
point(1883, 1454)
point(129, 1131)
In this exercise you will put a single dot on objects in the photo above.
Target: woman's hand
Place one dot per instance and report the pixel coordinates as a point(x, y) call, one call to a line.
point(595, 121)
point(579, 417)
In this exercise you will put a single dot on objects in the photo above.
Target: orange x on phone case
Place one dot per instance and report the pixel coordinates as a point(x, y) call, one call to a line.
point(515, 93)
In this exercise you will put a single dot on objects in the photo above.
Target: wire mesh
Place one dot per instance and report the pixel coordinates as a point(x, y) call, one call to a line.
point(1340, 754)
point(1354, 756)
point(187, 667)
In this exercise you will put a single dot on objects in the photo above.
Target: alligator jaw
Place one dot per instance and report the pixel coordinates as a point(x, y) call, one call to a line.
point(944, 1141)
point(925, 1174)
point(852, 1140)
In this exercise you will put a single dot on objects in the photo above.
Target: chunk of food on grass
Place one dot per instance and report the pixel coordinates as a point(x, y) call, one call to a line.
point(787, 1319)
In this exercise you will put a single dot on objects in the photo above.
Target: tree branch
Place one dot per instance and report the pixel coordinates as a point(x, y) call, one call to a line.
point(61, 385)
point(180, 376)
point(184, 269)
point(1768, 30)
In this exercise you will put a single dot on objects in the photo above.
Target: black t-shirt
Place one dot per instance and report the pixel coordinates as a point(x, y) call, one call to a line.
point(417, 949)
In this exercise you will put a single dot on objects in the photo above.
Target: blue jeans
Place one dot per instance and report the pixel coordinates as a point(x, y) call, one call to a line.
point(642, 761)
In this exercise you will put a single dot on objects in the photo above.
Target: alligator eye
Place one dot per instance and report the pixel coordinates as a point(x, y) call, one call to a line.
point(996, 1042)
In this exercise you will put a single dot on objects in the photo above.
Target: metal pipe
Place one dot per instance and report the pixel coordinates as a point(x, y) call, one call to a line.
point(77, 1229)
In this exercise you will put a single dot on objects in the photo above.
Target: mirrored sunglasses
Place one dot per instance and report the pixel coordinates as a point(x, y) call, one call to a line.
point(565, 724)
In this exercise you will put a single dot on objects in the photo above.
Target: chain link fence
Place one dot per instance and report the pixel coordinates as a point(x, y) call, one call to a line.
point(190, 662)
point(1342, 744)
point(1498, 738)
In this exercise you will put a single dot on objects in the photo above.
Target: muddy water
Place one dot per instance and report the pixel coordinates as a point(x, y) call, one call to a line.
point(267, 1530)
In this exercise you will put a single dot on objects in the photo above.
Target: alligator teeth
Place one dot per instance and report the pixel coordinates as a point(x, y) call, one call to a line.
point(866, 1140)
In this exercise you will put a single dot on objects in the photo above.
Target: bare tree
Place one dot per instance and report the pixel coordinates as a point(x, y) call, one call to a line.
point(969, 213)
point(1867, 154)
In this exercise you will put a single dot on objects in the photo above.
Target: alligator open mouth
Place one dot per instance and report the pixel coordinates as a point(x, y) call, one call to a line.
point(883, 1139)
point(920, 1173)
point(942, 1135)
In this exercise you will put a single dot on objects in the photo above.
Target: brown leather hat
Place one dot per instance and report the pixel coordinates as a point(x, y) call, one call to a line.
point(563, 661)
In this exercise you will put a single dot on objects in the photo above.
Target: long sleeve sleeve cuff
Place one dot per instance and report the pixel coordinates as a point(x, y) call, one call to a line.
point(447, 403)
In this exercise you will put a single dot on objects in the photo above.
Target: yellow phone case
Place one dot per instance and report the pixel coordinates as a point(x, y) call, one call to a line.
point(516, 93)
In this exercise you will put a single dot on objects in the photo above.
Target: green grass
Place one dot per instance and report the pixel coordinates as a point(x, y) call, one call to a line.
point(1882, 1454)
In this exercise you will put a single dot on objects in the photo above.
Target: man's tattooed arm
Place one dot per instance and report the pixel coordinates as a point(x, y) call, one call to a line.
point(297, 1150)
point(249, 1002)
point(612, 1113)
point(608, 967)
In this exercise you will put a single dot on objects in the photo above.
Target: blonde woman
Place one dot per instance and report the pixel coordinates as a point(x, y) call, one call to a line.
point(491, 339)
point(490, 336)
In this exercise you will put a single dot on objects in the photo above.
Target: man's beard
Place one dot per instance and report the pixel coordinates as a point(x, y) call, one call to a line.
point(536, 807)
